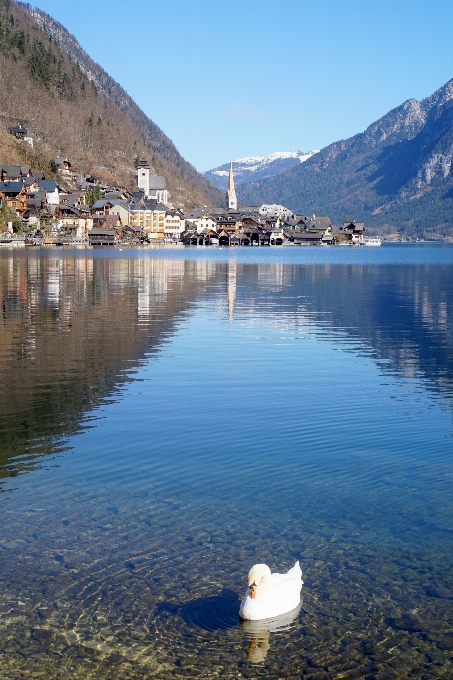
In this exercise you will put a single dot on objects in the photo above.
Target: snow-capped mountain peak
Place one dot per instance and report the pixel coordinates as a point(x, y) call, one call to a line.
point(252, 168)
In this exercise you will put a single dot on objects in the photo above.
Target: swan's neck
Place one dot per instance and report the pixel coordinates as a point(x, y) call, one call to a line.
point(262, 587)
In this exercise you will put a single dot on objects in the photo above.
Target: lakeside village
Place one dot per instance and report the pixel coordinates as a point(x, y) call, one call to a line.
point(45, 213)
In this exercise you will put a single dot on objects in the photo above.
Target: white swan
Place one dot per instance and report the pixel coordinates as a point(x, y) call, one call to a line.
point(269, 595)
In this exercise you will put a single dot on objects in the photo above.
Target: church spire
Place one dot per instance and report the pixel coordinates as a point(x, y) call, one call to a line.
point(232, 201)
point(231, 178)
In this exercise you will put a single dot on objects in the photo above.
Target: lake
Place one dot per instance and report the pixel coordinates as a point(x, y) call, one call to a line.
point(171, 416)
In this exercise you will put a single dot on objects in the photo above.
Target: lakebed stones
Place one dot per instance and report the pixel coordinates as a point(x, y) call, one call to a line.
point(110, 621)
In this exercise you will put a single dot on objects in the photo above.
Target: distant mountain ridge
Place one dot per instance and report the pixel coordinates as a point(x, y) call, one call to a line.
point(395, 174)
point(254, 168)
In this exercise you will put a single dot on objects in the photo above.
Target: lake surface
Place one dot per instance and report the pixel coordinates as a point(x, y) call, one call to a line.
point(169, 417)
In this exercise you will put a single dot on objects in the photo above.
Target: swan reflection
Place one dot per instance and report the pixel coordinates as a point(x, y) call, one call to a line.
point(258, 633)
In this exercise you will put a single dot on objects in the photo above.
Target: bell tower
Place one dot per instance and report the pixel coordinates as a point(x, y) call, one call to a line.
point(143, 176)
point(231, 199)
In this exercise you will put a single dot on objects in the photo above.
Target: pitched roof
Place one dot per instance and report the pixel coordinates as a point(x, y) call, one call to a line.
point(73, 209)
point(99, 204)
point(11, 187)
point(308, 236)
point(155, 207)
point(318, 223)
point(157, 182)
point(357, 226)
point(192, 214)
point(59, 160)
point(11, 170)
point(34, 202)
point(19, 128)
point(48, 185)
point(143, 163)
point(105, 219)
point(136, 206)
point(100, 231)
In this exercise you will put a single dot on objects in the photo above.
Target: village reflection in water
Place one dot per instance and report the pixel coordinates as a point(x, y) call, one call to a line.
point(73, 328)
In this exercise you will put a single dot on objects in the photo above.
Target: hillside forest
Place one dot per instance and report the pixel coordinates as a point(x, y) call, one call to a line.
point(67, 114)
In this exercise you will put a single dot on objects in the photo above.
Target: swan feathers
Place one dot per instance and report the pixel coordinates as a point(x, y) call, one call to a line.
point(270, 595)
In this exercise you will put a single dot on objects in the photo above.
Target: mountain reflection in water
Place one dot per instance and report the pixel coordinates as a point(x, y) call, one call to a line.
point(182, 416)
point(73, 330)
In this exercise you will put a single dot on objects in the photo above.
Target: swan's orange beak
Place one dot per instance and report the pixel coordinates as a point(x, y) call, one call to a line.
point(252, 591)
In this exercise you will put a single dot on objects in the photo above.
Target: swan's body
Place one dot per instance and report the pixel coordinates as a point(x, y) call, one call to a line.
point(270, 595)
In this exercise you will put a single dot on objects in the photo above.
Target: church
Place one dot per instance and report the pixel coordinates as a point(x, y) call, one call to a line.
point(231, 199)
point(153, 186)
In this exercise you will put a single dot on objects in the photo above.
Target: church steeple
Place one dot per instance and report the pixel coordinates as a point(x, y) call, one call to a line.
point(232, 201)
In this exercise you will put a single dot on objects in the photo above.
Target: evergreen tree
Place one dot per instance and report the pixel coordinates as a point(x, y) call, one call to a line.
point(93, 195)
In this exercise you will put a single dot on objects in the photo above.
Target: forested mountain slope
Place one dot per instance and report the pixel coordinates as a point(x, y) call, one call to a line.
point(72, 107)
point(396, 174)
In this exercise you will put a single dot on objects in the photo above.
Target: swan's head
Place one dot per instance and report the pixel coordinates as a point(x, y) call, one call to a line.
point(258, 579)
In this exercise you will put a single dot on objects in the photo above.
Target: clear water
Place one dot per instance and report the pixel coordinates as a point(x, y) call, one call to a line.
point(169, 417)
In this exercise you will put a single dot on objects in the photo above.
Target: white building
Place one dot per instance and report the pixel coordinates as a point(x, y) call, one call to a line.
point(173, 225)
point(121, 209)
point(231, 198)
point(153, 186)
point(274, 210)
point(50, 187)
point(202, 219)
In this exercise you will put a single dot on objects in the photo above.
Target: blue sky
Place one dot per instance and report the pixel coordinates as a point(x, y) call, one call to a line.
point(232, 78)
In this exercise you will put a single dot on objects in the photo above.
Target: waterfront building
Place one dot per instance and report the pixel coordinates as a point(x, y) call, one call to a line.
point(202, 219)
point(73, 221)
point(354, 231)
point(100, 236)
point(120, 208)
point(173, 225)
point(148, 216)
